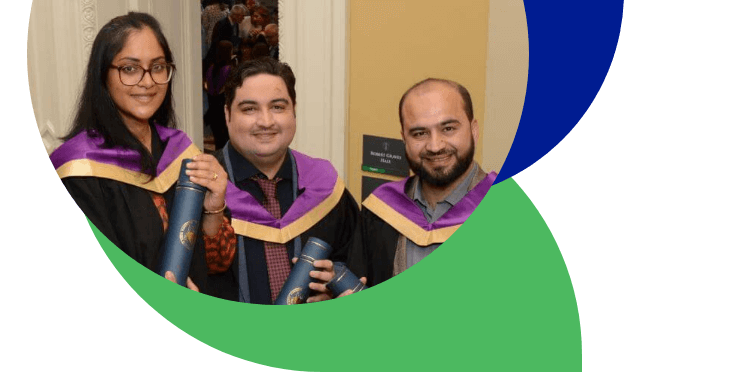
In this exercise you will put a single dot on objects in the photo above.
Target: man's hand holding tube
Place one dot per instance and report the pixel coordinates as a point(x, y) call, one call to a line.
point(348, 292)
point(323, 273)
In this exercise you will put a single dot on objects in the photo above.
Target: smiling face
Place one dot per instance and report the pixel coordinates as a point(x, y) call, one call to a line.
point(137, 104)
point(261, 120)
point(440, 139)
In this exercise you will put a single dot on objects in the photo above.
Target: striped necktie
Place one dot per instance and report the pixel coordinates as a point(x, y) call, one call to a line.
point(276, 254)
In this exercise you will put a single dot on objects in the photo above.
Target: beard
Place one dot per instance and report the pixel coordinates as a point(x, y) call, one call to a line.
point(442, 176)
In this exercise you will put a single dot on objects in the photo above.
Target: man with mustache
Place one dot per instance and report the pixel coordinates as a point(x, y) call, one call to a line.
point(402, 222)
point(277, 198)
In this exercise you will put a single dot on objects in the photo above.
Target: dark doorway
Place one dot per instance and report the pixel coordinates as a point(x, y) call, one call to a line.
point(232, 31)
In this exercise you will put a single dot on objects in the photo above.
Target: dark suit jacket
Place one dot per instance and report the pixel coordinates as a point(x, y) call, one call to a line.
point(223, 30)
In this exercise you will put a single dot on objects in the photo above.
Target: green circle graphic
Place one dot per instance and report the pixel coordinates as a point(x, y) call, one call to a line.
point(495, 297)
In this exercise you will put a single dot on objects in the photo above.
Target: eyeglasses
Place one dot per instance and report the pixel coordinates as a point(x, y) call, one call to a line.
point(132, 74)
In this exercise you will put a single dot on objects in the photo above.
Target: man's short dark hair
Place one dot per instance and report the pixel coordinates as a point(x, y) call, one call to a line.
point(466, 99)
point(263, 65)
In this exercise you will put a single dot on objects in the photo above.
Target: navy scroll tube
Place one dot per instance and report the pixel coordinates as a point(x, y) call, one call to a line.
point(344, 280)
point(177, 251)
point(296, 289)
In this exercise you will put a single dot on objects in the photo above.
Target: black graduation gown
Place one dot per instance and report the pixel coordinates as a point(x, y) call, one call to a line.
point(337, 228)
point(373, 248)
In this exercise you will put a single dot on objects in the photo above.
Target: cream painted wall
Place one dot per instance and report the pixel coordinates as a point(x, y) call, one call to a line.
point(314, 42)
point(57, 29)
point(506, 79)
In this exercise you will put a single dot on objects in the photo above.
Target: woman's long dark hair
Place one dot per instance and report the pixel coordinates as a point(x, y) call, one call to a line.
point(96, 112)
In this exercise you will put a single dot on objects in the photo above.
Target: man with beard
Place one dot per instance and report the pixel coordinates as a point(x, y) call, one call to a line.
point(402, 222)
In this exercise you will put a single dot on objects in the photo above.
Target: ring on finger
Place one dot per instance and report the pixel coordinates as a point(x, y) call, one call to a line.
point(215, 176)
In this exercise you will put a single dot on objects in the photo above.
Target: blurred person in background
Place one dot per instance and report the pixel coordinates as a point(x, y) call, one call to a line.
point(213, 85)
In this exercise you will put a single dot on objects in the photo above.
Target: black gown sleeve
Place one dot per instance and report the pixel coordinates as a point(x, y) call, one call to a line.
point(337, 227)
point(127, 216)
point(373, 249)
point(346, 226)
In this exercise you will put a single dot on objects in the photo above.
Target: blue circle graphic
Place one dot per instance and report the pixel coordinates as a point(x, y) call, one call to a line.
point(571, 46)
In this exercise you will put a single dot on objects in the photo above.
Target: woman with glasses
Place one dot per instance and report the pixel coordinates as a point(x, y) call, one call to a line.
point(122, 157)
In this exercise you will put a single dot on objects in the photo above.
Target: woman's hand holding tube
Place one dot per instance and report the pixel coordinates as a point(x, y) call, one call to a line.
point(207, 172)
